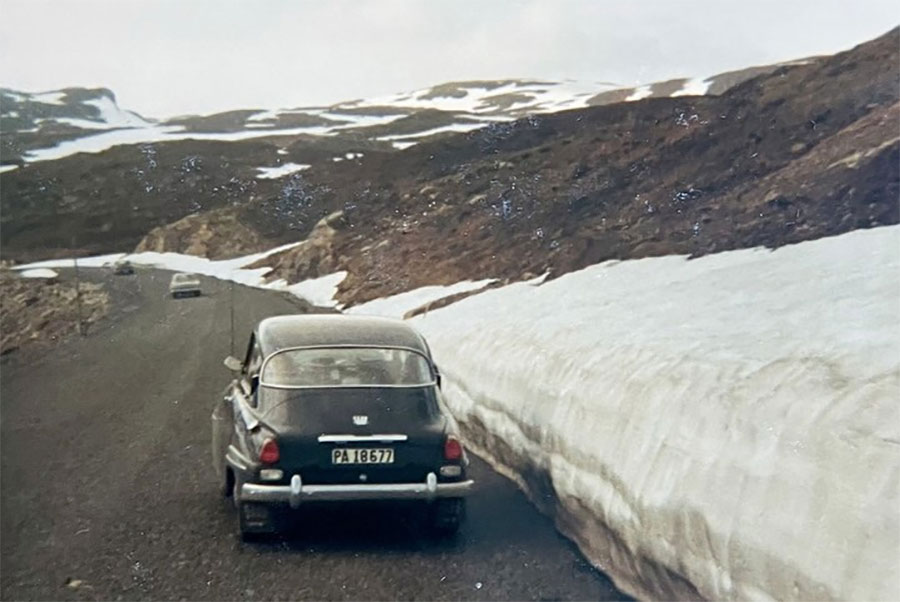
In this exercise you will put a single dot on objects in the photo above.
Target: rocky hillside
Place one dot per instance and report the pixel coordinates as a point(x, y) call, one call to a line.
point(798, 151)
point(807, 151)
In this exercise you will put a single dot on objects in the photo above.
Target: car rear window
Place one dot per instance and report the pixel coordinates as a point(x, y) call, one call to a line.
point(346, 367)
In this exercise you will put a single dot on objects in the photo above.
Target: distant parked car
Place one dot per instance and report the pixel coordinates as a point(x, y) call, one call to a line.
point(185, 285)
point(123, 268)
point(332, 408)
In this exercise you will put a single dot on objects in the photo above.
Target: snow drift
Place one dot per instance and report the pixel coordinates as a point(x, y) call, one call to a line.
point(725, 427)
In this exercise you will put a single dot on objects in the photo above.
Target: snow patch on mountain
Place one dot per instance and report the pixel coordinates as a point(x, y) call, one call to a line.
point(101, 142)
point(694, 87)
point(513, 96)
point(640, 93)
point(47, 98)
point(113, 116)
point(455, 127)
point(280, 171)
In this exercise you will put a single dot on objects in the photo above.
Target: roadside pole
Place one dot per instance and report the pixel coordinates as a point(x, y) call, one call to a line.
point(231, 305)
point(78, 298)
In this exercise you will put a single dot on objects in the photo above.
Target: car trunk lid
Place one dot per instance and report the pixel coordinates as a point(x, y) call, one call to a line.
point(353, 435)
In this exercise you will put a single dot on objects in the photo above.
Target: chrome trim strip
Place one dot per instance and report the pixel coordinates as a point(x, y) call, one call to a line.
point(236, 458)
point(357, 438)
point(297, 492)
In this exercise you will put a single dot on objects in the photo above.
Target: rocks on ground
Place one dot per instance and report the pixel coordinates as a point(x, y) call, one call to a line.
point(40, 312)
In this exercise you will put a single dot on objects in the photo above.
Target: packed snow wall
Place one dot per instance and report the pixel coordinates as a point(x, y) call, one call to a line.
point(725, 427)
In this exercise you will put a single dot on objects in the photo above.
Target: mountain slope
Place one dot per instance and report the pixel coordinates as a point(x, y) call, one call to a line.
point(798, 154)
point(143, 174)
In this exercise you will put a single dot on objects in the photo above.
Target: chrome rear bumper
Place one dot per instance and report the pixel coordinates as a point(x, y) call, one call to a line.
point(297, 492)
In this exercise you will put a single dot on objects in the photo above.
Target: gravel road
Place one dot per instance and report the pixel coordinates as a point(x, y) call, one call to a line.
point(108, 492)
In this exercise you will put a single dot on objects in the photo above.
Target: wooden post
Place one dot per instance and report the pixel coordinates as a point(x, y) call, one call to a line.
point(78, 299)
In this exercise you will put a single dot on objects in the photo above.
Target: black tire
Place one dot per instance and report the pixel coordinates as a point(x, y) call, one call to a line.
point(446, 516)
point(228, 484)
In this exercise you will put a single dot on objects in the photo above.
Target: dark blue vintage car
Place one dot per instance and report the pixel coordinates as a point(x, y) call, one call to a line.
point(331, 408)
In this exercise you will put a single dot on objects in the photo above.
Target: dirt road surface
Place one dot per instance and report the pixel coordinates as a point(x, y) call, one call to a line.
point(108, 493)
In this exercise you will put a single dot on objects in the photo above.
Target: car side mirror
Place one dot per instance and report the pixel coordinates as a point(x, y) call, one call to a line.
point(254, 383)
point(233, 363)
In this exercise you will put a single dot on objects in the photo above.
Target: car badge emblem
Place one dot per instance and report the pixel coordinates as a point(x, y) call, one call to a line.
point(360, 420)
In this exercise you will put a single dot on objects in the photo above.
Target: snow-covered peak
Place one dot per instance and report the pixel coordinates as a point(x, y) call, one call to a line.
point(87, 109)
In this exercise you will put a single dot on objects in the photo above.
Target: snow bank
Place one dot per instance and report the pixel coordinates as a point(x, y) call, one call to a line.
point(5, 168)
point(725, 427)
point(398, 305)
point(96, 261)
point(319, 292)
point(38, 273)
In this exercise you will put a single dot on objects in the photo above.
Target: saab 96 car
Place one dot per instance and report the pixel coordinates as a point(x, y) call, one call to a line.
point(334, 408)
point(185, 285)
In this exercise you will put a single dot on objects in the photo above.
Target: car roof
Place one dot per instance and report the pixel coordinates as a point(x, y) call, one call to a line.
point(280, 332)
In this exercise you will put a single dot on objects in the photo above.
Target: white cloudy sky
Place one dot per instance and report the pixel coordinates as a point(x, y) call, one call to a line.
point(167, 57)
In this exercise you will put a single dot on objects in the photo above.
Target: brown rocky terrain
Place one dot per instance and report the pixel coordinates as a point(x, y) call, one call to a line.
point(217, 234)
point(38, 312)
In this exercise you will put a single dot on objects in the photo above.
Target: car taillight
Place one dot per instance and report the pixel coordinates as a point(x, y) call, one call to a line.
point(452, 448)
point(268, 453)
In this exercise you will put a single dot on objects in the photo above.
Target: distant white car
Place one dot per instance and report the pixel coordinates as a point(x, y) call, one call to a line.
point(185, 285)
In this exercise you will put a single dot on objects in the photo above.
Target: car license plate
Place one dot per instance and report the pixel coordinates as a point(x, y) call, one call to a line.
point(382, 455)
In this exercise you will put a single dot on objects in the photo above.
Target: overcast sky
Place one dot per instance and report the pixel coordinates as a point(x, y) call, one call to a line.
point(168, 57)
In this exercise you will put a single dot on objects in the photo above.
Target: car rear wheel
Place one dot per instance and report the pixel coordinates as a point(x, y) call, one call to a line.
point(228, 484)
point(445, 516)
